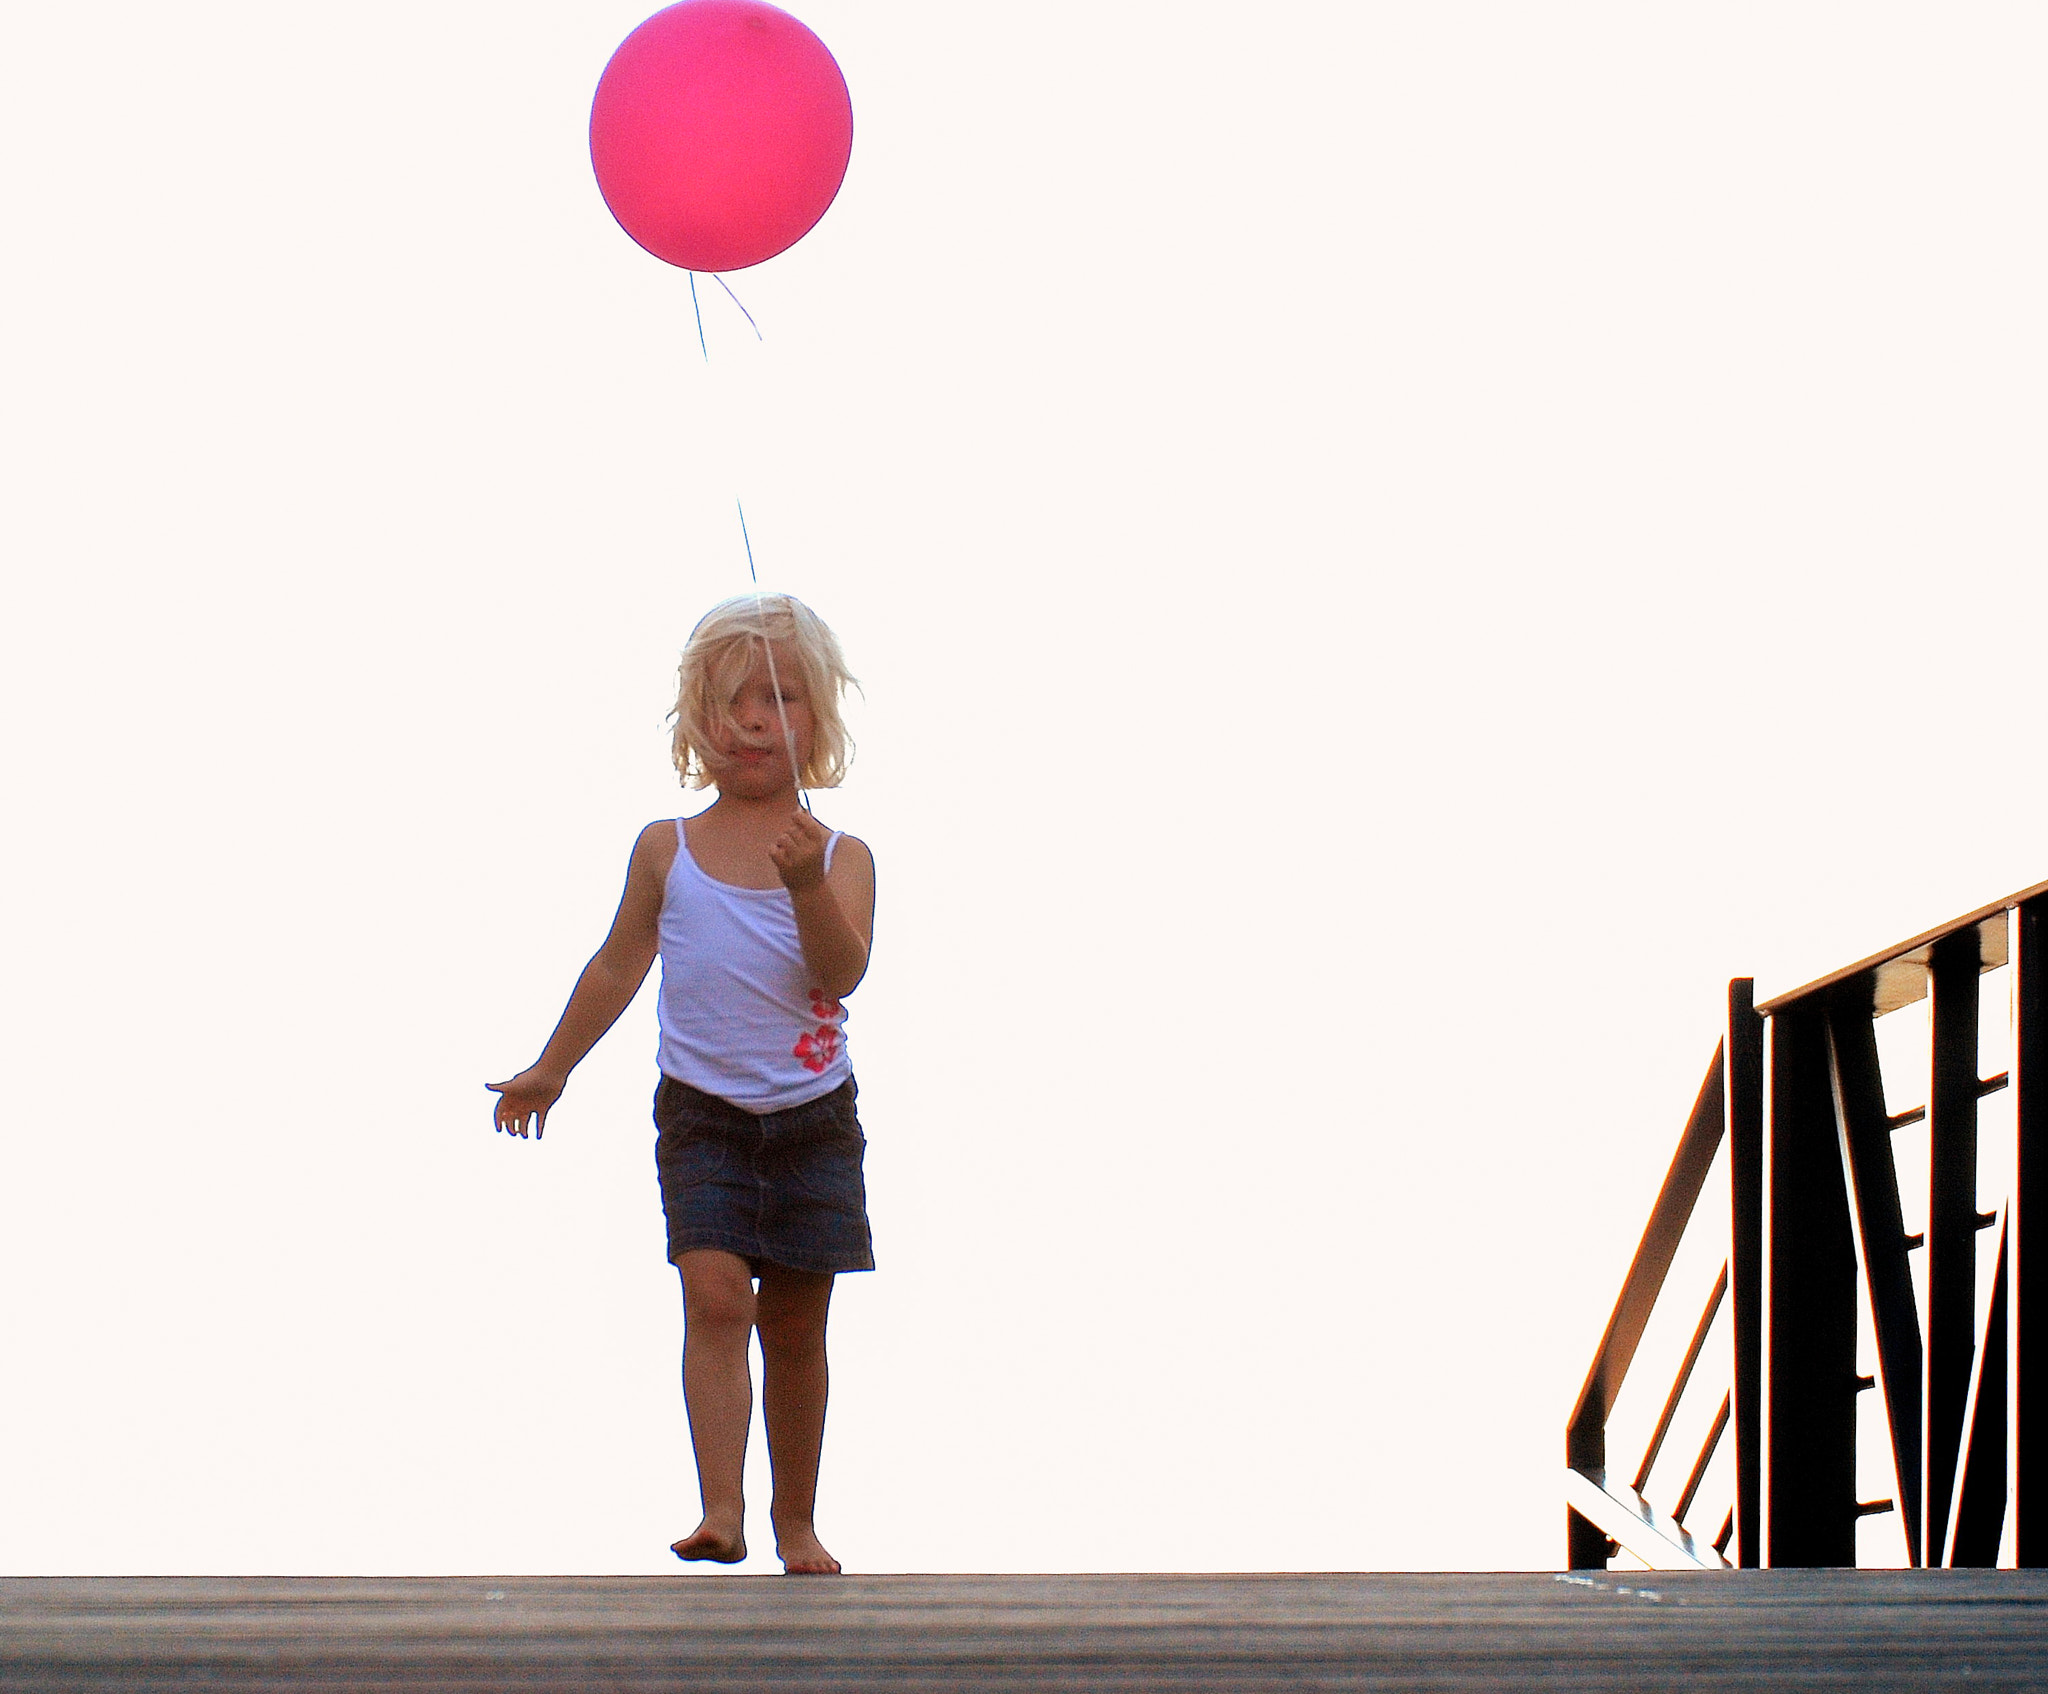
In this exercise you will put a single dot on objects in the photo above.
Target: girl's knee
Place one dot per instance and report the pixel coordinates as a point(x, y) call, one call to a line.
point(790, 1313)
point(786, 1334)
point(718, 1292)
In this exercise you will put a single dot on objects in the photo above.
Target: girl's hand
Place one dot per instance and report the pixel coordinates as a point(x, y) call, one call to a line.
point(799, 852)
point(525, 1099)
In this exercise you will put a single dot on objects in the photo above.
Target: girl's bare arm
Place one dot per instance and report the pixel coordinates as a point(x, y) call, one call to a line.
point(835, 914)
point(604, 990)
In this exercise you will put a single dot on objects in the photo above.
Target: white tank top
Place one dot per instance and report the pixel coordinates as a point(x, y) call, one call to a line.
point(740, 1017)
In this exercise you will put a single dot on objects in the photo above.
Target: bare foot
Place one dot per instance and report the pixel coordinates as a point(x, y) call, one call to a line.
point(706, 1541)
point(802, 1554)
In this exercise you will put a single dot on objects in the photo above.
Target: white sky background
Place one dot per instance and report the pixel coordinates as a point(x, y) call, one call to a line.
point(1393, 549)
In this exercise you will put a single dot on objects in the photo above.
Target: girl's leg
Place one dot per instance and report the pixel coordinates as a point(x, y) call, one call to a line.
point(718, 1319)
point(790, 1313)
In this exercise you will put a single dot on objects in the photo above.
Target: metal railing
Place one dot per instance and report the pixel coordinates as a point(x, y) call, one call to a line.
point(1813, 1214)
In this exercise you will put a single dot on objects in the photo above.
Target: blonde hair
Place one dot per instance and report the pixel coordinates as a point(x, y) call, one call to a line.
point(716, 660)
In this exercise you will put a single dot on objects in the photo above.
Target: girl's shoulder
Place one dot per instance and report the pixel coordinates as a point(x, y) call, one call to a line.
point(846, 843)
point(654, 852)
point(850, 856)
point(852, 873)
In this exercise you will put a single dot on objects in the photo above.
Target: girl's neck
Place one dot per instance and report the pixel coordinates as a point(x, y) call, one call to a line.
point(730, 839)
point(746, 809)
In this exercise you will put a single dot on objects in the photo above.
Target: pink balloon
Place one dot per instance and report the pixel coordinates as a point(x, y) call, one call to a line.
point(720, 133)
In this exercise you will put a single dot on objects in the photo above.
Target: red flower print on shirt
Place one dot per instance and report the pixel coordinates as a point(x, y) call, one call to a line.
point(818, 1049)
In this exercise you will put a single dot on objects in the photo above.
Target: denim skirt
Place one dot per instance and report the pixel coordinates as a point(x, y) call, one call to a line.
point(783, 1188)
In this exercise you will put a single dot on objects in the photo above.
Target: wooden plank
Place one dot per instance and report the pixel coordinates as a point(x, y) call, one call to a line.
point(1901, 1631)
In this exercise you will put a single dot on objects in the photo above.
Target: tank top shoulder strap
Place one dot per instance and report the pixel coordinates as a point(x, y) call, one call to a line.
point(683, 844)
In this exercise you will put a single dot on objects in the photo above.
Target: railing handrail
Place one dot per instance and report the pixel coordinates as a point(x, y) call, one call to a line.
point(1903, 949)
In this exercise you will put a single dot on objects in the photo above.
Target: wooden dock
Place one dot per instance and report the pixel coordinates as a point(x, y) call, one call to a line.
point(1891, 1631)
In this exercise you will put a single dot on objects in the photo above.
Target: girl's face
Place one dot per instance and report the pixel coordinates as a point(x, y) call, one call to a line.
point(748, 755)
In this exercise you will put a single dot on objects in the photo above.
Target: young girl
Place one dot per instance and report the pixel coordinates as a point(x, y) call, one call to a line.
point(762, 919)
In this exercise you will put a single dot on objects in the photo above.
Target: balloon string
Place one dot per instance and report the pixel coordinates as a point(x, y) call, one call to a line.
point(768, 647)
point(747, 541)
point(702, 345)
point(735, 299)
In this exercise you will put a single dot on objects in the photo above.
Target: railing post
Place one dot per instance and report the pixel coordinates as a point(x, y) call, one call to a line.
point(1865, 1134)
point(1952, 992)
point(2028, 1241)
point(1587, 1546)
point(1743, 1056)
point(1809, 1354)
